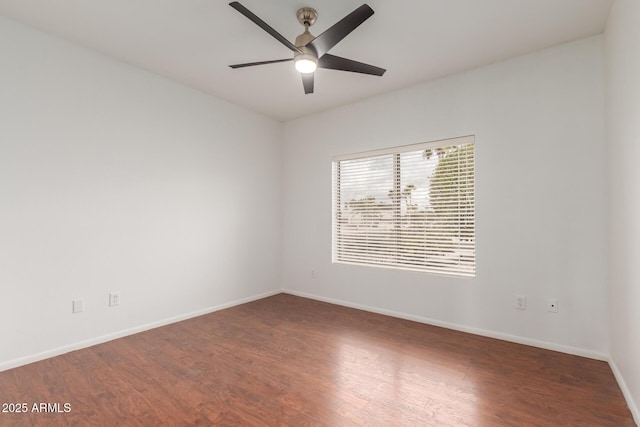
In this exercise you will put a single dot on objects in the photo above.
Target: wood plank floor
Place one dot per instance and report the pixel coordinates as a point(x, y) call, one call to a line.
point(290, 361)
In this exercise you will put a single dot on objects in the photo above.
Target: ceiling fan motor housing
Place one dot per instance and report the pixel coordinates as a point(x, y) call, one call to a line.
point(307, 17)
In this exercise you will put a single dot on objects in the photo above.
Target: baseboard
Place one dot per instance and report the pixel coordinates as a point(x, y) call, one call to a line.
point(625, 391)
point(120, 334)
point(476, 331)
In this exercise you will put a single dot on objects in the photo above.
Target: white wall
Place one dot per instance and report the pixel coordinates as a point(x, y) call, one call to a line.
point(539, 126)
point(114, 179)
point(623, 137)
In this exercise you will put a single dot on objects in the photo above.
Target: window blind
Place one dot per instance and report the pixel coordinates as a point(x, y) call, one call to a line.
point(410, 207)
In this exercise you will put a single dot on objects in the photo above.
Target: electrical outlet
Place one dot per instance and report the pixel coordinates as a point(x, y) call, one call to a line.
point(314, 274)
point(521, 302)
point(77, 306)
point(114, 299)
point(552, 305)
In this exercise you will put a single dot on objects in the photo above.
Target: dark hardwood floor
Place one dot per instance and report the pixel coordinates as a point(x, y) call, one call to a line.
point(286, 360)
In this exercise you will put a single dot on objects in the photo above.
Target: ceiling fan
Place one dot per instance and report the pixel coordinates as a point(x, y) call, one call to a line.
point(310, 52)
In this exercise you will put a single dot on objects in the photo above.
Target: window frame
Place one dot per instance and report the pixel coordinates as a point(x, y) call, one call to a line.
point(466, 269)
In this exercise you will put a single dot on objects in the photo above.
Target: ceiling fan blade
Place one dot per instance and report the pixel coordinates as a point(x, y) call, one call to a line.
point(333, 62)
point(307, 82)
point(340, 30)
point(246, 12)
point(251, 64)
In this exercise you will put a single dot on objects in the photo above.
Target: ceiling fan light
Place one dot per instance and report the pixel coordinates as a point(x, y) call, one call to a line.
point(306, 63)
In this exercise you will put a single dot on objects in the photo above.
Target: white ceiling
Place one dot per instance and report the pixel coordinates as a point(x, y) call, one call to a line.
point(193, 41)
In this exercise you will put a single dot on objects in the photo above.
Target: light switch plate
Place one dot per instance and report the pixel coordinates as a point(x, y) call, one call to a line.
point(78, 306)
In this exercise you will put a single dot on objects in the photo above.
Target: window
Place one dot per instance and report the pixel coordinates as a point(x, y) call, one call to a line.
point(410, 207)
